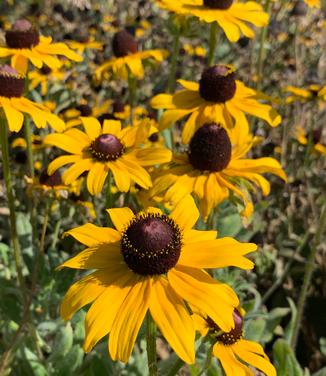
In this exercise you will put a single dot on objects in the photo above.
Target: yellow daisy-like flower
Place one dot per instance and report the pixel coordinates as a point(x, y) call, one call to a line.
point(215, 166)
point(313, 92)
point(15, 105)
point(153, 262)
point(231, 15)
point(218, 97)
point(43, 78)
point(303, 138)
point(234, 352)
point(24, 44)
point(128, 58)
point(313, 3)
point(103, 149)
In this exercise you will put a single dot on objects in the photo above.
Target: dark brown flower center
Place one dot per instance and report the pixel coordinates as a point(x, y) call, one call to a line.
point(22, 35)
point(210, 148)
point(106, 147)
point(218, 4)
point(300, 8)
point(154, 137)
point(11, 82)
point(50, 180)
point(316, 136)
point(124, 44)
point(118, 107)
point(231, 337)
point(45, 69)
point(217, 84)
point(151, 244)
point(85, 110)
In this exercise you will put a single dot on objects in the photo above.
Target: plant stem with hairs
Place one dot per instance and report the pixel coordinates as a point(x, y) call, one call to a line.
point(213, 37)
point(310, 266)
point(151, 345)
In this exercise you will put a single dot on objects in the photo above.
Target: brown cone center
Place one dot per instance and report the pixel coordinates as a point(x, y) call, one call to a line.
point(22, 35)
point(218, 4)
point(11, 82)
point(106, 147)
point(124, 44)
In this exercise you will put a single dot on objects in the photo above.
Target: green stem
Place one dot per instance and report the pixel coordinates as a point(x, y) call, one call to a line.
point(108, 202)
point(173, 64)
point(11, 201)
point(310, 266)
point(207, 362)
point(132, 86)
point(151, 345)
point(176, 367)
point(261, 54)
point(212, 43)
point(28, 137)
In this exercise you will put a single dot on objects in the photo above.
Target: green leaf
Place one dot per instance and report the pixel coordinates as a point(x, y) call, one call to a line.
point(255, 329)
point(285, 360)
point(321, 372)
point(290, 328)
point(62, 343)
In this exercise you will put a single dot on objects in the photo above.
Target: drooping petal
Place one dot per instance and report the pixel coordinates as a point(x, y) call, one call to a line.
point(129, 319)
point(186, 213)
point(172, 317)
point(215, 299)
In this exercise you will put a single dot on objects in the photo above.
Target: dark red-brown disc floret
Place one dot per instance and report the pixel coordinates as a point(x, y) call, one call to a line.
point(106, 147)
point(11, 82)
point(85, 110)
point(218, 4)
point(235, 334)
point(124, 44)
point(217, 84)
point(151, 244)
point(210, 148)
point(22, 35)
point(50, 180)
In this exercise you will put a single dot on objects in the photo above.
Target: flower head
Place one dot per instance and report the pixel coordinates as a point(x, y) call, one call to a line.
point(233, 351)
point(106, 148)
point(15, 105)
point(24, 44)
point(218, 97)
point(127, 57)
point(214, 166)
point(232, 16)
point(152, 261)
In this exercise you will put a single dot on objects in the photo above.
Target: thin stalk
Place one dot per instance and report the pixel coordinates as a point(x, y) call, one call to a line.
point(132, 86)
point(108, 202)
point(28, 137)
point(213, 37)
point(151, 345)
point(310, 266)
point(174, 60)
point(208, 361)
point(262, 51)
point(176, 367)
point(11, 202)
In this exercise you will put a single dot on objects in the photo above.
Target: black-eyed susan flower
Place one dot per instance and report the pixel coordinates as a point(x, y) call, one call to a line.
point(153, 262)
point(15, 105)
point(44, 77)
point(214, 166)
point(218, 97)
point(24, 44)
point(232, 16)
point(311, 93)
point(234, 352)
point(45, 184)
point(99, 150)
point(127, 57)
point(303, 138)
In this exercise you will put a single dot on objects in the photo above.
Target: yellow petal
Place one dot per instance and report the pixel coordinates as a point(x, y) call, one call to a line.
point(92, 235)
point(121, 178)
point(186, 213)
point(96, 177)
point(173, 319)
point(112, 127)
point(121, 217)
point(100, 257)
point(230, 364)
point(92, 127)
point(15, 118)
point(73, 172)
point(128, 320)
point(218, 253)
point(62, 161)
point(101, 315)
point(153, 156)
point(215, 299)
